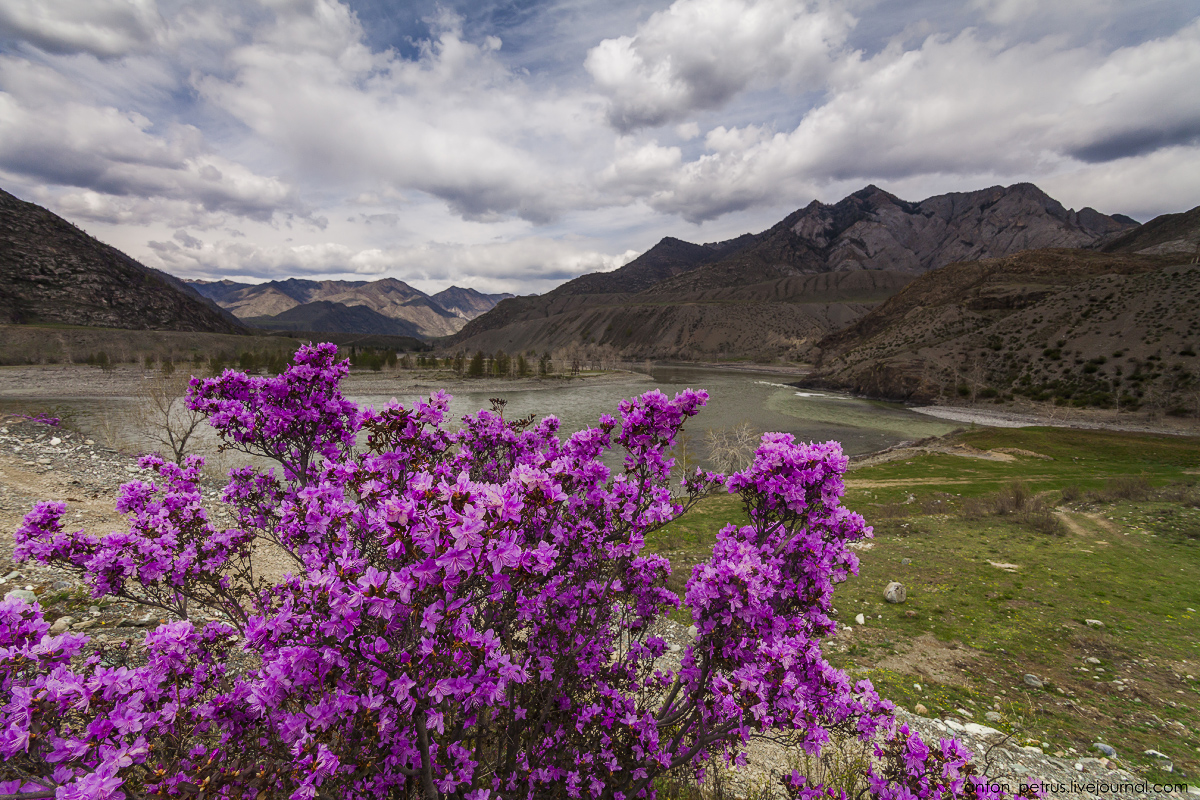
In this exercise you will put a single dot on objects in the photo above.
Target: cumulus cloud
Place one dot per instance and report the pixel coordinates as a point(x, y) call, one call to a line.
point(103, 28)
point(213, 118)
point(453, 123)
point(48, 132)
point(524, 265)
point(965, 105)
point(697, 54)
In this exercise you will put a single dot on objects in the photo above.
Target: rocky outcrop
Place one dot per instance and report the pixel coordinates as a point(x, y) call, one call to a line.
point(53, 272)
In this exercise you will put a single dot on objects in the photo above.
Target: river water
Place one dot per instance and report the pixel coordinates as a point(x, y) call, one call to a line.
point(762, 401)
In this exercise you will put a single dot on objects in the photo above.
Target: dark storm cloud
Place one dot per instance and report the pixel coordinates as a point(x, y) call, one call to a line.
point(1137, 142)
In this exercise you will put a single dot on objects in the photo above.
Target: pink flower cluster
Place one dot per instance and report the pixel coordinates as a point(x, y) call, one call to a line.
point(471, 614)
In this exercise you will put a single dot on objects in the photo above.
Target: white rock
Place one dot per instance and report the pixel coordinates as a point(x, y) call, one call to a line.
point(61, 624)
point(954, 726)
point(56, 441)
point(860, 619)
point(976, 729)
point(1093, 623)
point(895, 592)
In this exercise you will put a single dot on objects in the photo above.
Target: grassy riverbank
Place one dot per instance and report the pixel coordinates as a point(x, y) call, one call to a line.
point(1004, 561)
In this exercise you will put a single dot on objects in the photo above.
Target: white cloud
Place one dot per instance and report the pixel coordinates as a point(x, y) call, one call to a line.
point(1142, 186)
point(453, 124)
point(1015, 12)
point(960, 106)
point(48, 132)
point(698, 54)
point(103, 28)
point(211, 118)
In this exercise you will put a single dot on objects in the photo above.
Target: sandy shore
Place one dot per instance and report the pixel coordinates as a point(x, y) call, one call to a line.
point(1085, 419)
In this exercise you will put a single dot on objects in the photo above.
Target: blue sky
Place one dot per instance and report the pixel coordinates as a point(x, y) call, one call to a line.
point(509, 146)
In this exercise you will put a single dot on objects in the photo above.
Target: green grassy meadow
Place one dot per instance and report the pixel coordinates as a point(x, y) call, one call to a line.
point(1109, 530)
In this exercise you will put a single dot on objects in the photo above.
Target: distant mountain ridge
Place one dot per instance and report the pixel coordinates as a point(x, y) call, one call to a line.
point(51, 271)
point(753, 295)
point(296, 303)
point(325, 315)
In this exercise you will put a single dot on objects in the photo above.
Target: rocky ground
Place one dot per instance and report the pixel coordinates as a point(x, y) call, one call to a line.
point(44, 462)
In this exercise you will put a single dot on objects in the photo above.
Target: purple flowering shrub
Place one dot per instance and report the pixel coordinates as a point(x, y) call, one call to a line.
point(471, 614)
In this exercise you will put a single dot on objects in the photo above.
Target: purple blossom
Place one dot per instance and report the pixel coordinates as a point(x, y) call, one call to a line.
point(467, 612)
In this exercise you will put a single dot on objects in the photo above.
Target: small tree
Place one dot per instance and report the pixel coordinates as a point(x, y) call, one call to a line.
point(164, 416)
point(475, 369)
point(731, 449)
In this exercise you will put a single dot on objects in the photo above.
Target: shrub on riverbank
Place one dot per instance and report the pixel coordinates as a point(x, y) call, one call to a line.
point(471, 613)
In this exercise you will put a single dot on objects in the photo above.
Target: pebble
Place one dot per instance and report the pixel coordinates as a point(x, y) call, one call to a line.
point(1092, 660)
point(993, 716)
point(860, 619)
point(1033, 680)
point(1105, 748)
point(1093, 623)
point(61, 625)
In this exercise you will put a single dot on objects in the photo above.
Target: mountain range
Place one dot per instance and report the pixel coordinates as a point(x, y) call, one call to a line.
point(387, 306)
point(982, 295)
point(780, 291)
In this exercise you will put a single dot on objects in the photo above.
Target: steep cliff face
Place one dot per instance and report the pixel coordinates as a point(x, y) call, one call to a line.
point(756, 295)
point(51, 271)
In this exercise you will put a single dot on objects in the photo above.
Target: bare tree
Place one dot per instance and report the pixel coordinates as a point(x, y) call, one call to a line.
point(165, 418)
point(731, 449)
